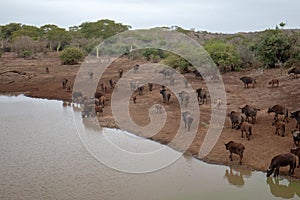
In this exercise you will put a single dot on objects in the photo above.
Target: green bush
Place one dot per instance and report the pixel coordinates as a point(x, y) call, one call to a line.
point(226, 56)
point(291, 62)
point(26, 54)
point(71, 56)
point(177, 62)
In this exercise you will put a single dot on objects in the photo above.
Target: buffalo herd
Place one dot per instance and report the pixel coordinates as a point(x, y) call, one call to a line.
point(242, 120)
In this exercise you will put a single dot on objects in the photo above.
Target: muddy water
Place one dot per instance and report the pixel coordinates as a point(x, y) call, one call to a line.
point(42, 157)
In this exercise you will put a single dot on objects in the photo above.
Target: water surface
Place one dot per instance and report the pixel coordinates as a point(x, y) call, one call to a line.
point(43, 157)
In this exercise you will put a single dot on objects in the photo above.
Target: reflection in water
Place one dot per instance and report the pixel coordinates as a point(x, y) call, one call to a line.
point(286, 191)
point(89, 122)
point(235, 176)
point(42, 157)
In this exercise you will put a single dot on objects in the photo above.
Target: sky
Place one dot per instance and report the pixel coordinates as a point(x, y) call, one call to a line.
point(226, 16)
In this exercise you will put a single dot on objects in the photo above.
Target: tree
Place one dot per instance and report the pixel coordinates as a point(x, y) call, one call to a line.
point(71, 56)
point(243, 46)
point(282, 24)
point(153, 54)
point(274, 47)
point(6, 33)
point(23, 46)
point(9, 29)
point(77, 39)
point(33, 32)
point(177, 62)
point(225, 56)
point(56, 37)
point(102, 29)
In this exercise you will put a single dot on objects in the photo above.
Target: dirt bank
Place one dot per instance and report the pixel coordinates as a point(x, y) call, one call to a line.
point(30, 77)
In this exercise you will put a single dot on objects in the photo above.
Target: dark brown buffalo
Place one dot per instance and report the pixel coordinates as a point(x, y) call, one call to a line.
point(282, 160)
point(274, 82)
point(296, 136)
point(236, 148)
point(236, 118)
point(296, 115)
point(64, 83)
point(294, 71)
point(279, 126)
point(248, 80)
point(201, 95)
point(250, 111)
point(296, 151)
point(245, 127)
point(279, 110)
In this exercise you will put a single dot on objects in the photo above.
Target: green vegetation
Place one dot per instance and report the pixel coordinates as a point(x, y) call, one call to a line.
point(177, 62)
point(271, 48)
point(49, 37)
point(274, 48)
point(225, 56)
point(153, 54)
point(71, 56)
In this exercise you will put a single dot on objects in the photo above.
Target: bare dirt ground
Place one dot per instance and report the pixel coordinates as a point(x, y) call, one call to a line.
point(30, 78)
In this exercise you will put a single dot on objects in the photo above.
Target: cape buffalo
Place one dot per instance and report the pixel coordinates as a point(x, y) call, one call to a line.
point(279, 126)
point(236, 148)
point(165, 95)
point(282, 160)
point(236, 118)
point(296, 151)
point(294, 71)
point(296, 115)
point(201, 95)
point(279, 110)
point(248, 80)
point(296, 136)
point(274, 82)
point(250, 111)
point(187, 119)
point(245, 127)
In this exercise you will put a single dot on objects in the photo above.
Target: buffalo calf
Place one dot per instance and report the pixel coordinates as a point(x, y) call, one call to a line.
point(279, 126)
point(236, 148)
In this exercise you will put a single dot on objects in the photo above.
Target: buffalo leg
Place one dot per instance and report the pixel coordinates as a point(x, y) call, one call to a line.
point(292, 167)
point(241, 158)
point(230, 156)
point(276, 173)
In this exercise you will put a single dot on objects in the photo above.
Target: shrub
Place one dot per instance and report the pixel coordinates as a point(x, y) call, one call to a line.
point(71, 56)
point(226, 56)
point(26, 54)
point(177, 62)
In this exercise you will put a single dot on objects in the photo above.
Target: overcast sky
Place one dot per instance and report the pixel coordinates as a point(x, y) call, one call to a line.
point(211, 15)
